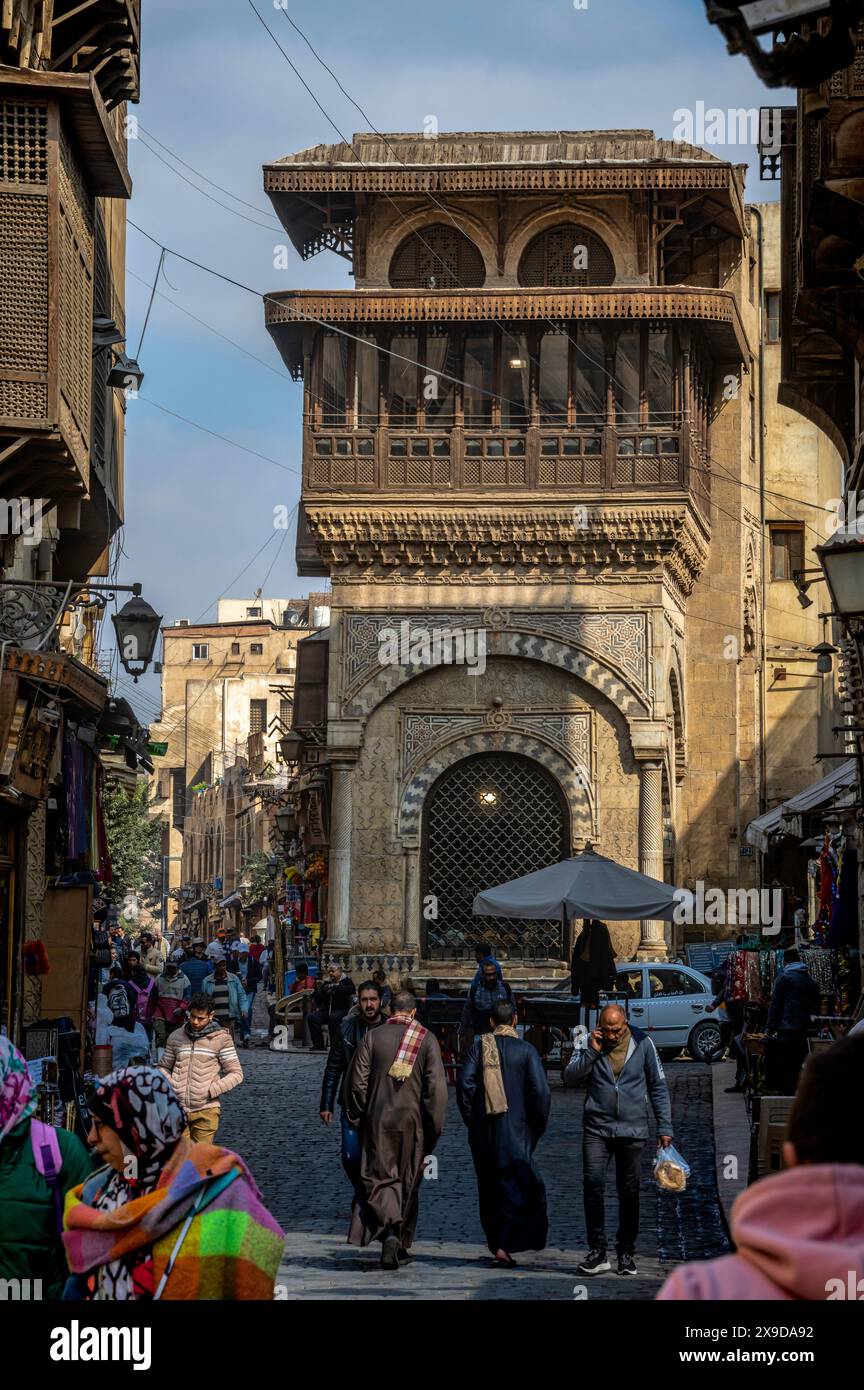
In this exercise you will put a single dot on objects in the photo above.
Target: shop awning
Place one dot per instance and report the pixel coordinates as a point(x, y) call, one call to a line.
point(786, 819)
point(232, 900)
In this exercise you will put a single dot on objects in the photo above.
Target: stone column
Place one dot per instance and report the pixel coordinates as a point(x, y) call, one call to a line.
point(653, 942)
point(411, 919)
point(341, 822)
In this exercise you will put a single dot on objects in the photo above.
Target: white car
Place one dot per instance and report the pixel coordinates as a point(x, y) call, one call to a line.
point(669, 1002)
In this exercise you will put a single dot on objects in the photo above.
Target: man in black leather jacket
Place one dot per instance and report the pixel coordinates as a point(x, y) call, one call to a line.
point(344, 1042)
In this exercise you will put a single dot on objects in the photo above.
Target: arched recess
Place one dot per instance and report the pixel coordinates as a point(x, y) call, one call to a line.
point(600, 226)
point(574, 782)
point(438, 256)
point(676, 707)
point(750, 611)
point(489, 817)
point(568, 254)
point(609, 682)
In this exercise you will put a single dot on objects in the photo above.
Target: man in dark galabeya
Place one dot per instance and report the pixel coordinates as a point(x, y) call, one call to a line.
point(397, 1096)
point(504, 1099)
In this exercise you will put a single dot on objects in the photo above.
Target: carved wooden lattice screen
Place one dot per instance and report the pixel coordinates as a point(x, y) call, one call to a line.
point(437, 257)
point(23, 262)
point(568, 255)
point(75, 304)
point(490, 819)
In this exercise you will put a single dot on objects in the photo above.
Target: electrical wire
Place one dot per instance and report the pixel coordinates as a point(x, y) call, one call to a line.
point(227, 191)
point(204, 194)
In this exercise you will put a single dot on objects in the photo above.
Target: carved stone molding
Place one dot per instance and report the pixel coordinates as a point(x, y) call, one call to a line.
point(494, 545)
point(617, 689)
point(580, 798)
point(572, 733)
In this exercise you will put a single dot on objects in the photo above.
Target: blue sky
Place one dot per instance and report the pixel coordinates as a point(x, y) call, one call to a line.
point(217, 92)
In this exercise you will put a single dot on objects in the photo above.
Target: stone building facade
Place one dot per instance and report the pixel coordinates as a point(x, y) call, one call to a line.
point(530, 429)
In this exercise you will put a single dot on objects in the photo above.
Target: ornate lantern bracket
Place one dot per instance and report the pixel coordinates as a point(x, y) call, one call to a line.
point(810, 40)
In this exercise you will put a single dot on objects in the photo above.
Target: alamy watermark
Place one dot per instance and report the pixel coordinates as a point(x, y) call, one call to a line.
point(712, 125)
point(440, 646)
point(756, 907)
point(22, 516)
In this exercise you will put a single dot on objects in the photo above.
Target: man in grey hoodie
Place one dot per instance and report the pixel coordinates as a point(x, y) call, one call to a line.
point(623, 1074)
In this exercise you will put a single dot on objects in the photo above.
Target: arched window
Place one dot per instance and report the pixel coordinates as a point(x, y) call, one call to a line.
point(490, 818)
point(437, 258)
point(566, 255)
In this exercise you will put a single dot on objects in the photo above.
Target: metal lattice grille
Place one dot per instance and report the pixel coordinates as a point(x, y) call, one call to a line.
point(440, 258)
point(567, 255)
point(490, 819)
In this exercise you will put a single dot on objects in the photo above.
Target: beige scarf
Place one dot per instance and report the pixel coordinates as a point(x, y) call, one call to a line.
point(493, 1083)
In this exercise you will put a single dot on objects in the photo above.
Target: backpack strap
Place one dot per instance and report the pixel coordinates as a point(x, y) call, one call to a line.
point(49, 1162)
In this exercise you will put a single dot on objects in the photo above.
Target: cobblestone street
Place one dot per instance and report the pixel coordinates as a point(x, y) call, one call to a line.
point(272, 1120)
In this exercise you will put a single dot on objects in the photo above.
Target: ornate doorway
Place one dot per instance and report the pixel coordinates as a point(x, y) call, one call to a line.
point(488, 819)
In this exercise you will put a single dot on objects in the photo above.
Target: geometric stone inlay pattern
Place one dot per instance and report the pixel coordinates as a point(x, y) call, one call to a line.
point(570, 779)
point(623, 637)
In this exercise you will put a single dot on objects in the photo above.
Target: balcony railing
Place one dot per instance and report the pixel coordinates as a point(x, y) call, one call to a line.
point(533, 459)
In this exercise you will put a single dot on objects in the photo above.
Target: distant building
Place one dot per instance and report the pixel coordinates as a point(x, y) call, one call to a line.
point(227, 698)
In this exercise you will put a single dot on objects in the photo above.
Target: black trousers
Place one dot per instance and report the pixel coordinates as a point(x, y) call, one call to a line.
point(596, 1155)
point(316, 1021)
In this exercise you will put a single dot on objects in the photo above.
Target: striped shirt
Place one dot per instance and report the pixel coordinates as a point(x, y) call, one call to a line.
point(221, 1006)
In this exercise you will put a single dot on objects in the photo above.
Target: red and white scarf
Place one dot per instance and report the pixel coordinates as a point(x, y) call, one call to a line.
point(409, 1047)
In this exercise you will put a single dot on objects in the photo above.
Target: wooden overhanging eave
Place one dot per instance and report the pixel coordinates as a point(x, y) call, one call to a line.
point(290, 314)
point(101, 154)
point(294, 189)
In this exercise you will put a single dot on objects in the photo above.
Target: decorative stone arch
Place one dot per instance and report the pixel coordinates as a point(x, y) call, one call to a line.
point(602, 676)
point(470, 226)
point(592, 219)
point(574, 781)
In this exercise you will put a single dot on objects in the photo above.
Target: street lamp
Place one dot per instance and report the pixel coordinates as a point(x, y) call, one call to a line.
point(137, 626)
point(843, 563)
point(291, 746)
point(286, 821)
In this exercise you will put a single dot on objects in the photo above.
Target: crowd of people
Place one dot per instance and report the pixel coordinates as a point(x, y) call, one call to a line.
point(149, 1208)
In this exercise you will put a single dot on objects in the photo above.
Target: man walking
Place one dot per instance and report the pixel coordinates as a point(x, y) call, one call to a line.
point(227, 998)
point(397, 1095)
point(504, 1099)
point(482, 996)
point(201, 1062)
point(794, 999)
point(172, 993)
point(333, 999)
point(343, 1046)
point(197, 967)
point(623, 1073)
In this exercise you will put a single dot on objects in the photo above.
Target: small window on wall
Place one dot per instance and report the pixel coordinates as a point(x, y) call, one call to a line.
point(256, 648)
point(235, 648)
point(257, 716)
point(772, 316)
point(787, 551)
point(200, 651)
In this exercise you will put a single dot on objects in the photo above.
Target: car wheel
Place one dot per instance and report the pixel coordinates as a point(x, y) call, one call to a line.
point(705, 1043)
point(669, 1054)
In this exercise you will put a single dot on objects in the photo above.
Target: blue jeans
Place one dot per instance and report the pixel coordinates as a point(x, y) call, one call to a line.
point(352, 1150)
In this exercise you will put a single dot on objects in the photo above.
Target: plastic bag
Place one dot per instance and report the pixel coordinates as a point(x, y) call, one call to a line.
point(670, 1170)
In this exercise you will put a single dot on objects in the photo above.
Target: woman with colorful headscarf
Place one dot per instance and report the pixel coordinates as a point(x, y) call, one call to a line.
point(31, 1197)
point(162, 1218)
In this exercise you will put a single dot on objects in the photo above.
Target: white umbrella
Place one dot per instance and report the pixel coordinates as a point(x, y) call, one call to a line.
point(589, 885)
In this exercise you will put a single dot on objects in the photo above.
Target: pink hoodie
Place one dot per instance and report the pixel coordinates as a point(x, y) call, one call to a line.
point(794, 1231)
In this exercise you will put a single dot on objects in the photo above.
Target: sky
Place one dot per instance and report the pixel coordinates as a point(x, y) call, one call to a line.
point(218, 95)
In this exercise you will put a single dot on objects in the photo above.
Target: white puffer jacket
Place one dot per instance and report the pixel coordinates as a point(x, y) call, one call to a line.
point(201, 1067)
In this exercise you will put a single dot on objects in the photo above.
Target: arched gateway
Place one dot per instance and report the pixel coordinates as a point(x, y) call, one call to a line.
point(487, 819)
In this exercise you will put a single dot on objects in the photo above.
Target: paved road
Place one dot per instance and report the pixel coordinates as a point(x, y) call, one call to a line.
point(272, 1120)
